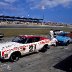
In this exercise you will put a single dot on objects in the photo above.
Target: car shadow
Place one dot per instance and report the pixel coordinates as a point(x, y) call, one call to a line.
point(1, 39)
point(28, 54)
point(65, 65)
point(5, 61)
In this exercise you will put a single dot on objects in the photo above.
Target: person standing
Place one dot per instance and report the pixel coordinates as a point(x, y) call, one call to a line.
point(54, 41)
point(51, 34)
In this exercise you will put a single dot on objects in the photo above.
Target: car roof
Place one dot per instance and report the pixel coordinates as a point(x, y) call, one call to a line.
point(31, 36)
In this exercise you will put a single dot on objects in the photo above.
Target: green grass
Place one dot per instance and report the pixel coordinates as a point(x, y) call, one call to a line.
point(29, 31)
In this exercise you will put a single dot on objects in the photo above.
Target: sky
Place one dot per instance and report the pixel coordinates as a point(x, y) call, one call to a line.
point(50, 10)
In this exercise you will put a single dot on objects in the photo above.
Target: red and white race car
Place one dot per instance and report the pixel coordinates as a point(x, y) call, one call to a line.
point(22, 45)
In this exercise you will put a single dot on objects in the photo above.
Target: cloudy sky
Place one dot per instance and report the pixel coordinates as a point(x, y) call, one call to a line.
point(50, 10)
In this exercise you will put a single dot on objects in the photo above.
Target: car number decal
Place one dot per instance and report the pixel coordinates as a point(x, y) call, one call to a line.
point(32, 48)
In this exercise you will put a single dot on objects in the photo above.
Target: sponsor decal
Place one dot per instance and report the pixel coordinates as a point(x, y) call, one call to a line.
point(44, 41)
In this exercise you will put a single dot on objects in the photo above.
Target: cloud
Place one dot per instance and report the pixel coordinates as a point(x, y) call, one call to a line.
point(1, 14)
point(10, 1)
point(3, 4)
point(7, 6)
point(51, 3)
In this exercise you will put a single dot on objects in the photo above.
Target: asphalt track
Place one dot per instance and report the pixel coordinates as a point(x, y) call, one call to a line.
point(55, 59)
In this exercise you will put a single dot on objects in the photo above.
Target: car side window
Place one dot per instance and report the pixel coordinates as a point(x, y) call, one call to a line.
point(19, 40)
point(30, 40)
point(36, 39)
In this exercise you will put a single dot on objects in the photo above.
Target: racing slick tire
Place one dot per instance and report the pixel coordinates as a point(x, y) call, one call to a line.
point(15, 56)
point(67, 43)
point(44, 49)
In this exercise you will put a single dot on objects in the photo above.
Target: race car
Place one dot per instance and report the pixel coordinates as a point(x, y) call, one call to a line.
point(56, 32)
point(23, 44)
point(63, 40)
point(69, 34)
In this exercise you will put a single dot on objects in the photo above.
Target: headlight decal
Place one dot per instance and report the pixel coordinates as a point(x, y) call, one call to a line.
point(3, 53)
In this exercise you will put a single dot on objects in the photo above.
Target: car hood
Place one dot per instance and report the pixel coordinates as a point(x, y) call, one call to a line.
point(7, 45)
point(62, 38)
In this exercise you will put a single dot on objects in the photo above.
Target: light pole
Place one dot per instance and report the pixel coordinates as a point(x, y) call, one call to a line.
point(28, 15)
point(43, 8)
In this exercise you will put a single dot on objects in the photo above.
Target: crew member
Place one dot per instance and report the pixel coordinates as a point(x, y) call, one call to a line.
point(51, 34)
point(54, 41)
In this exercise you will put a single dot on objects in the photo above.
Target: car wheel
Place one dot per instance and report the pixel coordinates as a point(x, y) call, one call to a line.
point(14, 57)
point(45, 47)
point(67, 43)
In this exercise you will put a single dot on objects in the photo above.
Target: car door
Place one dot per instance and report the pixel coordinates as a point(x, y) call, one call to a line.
point(31, 45)
point(28, 46)
point(36, 42)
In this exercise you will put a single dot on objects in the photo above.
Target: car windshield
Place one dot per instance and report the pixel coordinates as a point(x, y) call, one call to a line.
point(19, 40)
point(62, 34)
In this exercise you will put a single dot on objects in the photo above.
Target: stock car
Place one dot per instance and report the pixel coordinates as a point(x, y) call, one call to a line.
point(23, 44)
point(56, 32)
point(63, 39)
point(69, 34)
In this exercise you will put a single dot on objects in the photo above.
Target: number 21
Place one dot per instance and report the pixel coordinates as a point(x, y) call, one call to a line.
point(31, 48)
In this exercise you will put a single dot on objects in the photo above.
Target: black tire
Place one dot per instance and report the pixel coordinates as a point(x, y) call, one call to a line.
point(67, 43)
point(14, 57)
point(44, 49)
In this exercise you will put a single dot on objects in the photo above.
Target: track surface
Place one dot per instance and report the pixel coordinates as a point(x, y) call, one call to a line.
point(55, 59)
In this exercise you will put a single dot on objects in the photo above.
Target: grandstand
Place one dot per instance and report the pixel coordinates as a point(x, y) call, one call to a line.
point(23, 19)
point(12, 20)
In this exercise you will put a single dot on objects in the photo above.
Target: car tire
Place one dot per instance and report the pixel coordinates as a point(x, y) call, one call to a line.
point(14, 57)
point(44, 49)
point(67, 43)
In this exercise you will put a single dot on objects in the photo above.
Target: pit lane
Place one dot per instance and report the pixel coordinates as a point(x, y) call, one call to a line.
point(55, 59)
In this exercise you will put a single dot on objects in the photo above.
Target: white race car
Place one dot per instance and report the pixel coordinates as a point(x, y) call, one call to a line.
point(57, 32)
point(22, 45)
